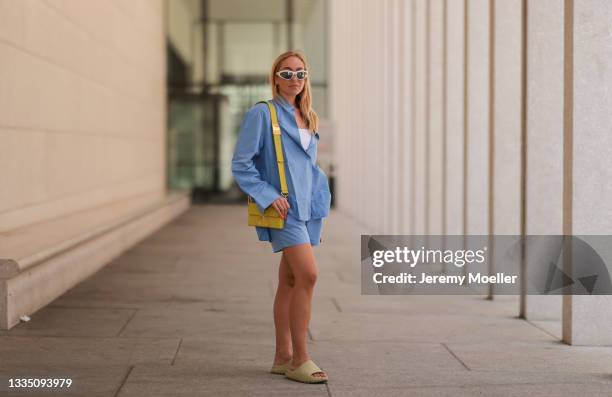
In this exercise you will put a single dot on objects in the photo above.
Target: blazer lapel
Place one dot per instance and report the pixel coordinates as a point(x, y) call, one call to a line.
point(294, 134)
point(292, 130)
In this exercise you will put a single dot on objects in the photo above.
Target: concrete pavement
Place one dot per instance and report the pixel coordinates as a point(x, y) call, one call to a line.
point(188, 312)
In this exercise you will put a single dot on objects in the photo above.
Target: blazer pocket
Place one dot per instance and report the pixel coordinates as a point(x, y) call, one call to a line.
point(321, 202)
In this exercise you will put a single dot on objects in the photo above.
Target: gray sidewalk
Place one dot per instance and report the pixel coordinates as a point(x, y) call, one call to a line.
point(188, 312)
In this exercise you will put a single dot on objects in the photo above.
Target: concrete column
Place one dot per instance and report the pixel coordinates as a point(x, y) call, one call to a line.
point(455, 93)
point(434, 107)
point(477, 137)
point(406, 101)
point(544, 170)
point(418, 146)
point(396, 80)
point(587, 320)
point(505, 189)
point(357, 116)
point(476, 199)
point(377, 115)
point(374, 120)
point(390, 38)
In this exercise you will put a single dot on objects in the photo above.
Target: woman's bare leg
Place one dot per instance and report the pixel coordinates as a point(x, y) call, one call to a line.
point(284, 352)
point(302, 264)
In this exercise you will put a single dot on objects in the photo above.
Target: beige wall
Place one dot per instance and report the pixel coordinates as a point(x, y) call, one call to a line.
point(82, 106)
point(182, 17)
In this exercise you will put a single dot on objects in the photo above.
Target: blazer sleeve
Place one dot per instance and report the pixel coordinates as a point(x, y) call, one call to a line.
point(249, 145)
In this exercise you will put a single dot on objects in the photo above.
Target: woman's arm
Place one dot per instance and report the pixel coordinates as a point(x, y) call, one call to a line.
point(249, 145)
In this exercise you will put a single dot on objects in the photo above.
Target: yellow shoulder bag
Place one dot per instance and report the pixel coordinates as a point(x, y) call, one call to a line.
point(271, 218)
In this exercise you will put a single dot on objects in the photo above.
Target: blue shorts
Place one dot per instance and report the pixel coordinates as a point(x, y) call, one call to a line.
point(296, 232)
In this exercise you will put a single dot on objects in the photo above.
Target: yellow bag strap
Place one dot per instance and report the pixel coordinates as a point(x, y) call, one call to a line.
point(276, 134)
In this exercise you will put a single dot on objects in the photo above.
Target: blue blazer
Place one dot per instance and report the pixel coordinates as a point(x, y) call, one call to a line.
point(255, 169)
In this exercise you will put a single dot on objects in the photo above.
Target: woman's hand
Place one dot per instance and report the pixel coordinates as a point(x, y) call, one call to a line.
point(282, 206)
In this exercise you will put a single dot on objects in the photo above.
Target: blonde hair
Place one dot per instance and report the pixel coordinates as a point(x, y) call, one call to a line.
point(303, 100)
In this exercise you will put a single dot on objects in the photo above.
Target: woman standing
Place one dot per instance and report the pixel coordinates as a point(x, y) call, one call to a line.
point(255, 169)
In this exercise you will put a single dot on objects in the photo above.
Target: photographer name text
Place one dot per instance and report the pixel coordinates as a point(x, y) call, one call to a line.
point(424, 278)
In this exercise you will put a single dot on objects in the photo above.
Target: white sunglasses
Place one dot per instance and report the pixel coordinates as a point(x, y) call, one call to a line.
point(287, 74)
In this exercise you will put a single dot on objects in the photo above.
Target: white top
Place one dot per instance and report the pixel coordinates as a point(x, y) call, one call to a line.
point(305, 137)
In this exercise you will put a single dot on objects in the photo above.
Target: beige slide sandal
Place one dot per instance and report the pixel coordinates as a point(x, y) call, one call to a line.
point(304, 373)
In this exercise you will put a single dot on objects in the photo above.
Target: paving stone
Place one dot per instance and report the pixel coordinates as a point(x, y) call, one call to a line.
point(537, 355)
point(190, 380)
point(538, 390)
point(553, 327)
point(73, 321)
point(34, 351)
point(421, 328)
point(185, 322)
